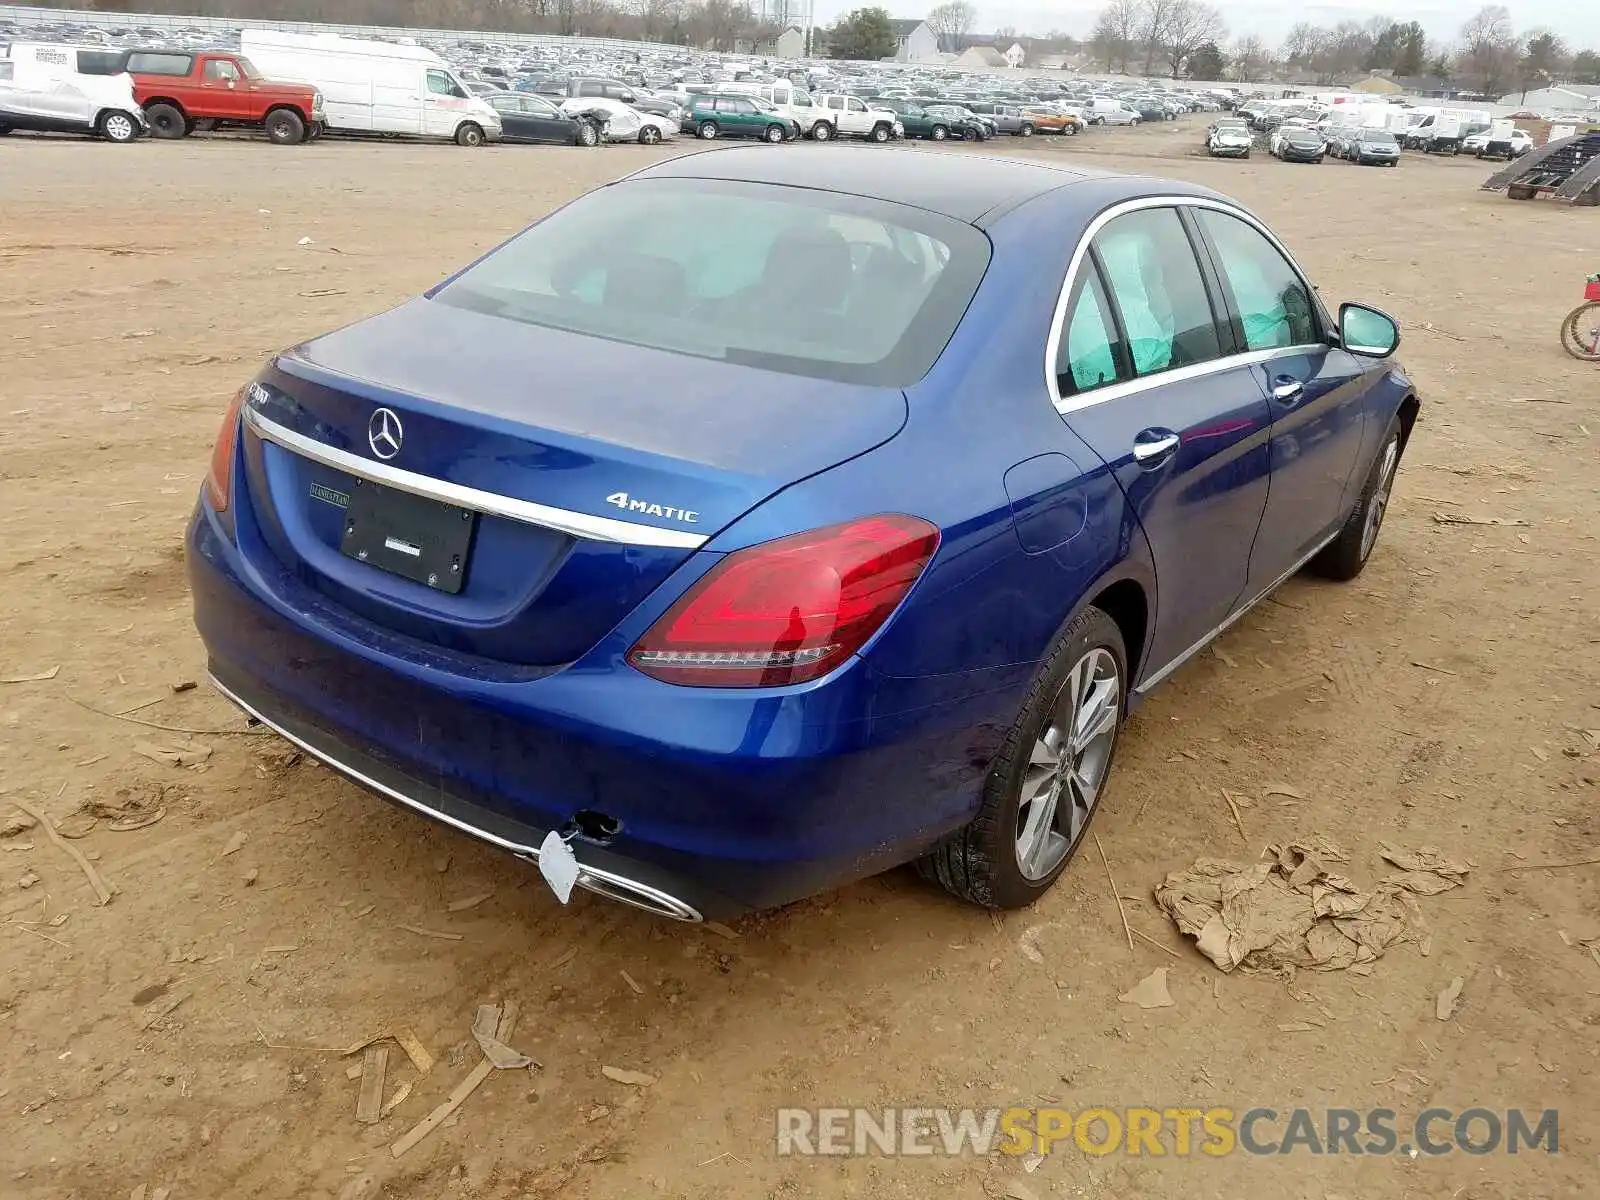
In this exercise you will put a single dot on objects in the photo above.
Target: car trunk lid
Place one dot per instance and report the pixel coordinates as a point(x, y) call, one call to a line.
point(581, 471)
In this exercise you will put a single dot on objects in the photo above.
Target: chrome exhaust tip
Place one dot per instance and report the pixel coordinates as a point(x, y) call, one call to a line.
point(636, 895)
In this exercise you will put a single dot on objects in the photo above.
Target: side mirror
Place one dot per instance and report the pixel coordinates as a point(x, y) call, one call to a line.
point(1367, 331)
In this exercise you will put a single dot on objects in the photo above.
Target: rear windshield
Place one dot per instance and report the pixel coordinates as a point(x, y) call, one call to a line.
point(790, 279)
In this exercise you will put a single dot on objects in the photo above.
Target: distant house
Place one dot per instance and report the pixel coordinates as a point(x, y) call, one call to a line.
point(914, 41)
point(980, 58)
point(1566, 97)
point(1376, 85)
point(791, 43)
point(1429, 86)
point(1016, 55)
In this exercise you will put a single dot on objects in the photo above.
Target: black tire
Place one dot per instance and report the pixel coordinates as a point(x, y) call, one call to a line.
point(469, 135)
point(166, 121)
point(881, 133)
point(707, 130)
point(119, 127)
point(284, 127)
point(5, 131)
point(938, 133)
point(774, 134)
point(649, 135)
point(588, 135)
point(1026, 130)
point(978, 862)
point(821, 131)
point(1069, 130)
point(1347, 555)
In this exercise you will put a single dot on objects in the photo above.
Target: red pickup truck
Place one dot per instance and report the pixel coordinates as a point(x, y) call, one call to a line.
point(181, 89)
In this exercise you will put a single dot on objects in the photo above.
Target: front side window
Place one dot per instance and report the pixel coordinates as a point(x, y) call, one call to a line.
point(220, 70)
point(440, 84)
point(1269, 298)
point(539, 107)
point(807, 282)
point(1155, 281)
point(857, 106)
point(1090, 353)
point(590, 89)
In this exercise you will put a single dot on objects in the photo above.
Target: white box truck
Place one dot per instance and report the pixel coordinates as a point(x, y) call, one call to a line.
point(376, 87)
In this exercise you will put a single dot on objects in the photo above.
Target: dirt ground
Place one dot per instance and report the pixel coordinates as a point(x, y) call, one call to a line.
point(186, 1035)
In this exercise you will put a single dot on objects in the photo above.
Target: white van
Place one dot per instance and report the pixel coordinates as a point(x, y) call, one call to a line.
point(376, 87)
point(1102, 111)
point(67, 89)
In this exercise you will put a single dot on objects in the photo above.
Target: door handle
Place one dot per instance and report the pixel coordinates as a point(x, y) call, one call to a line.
point(1154, 446)
point(1286, 390)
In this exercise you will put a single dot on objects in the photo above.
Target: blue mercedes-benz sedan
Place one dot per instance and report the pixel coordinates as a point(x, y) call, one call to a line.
point(763, 521)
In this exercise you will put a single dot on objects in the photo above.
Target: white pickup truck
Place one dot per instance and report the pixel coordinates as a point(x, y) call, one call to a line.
point(838, 115)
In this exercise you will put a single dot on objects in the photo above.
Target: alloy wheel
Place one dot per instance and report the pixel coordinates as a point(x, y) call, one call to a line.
point(1068, 765)
point(119, 128)
point(1380, 497)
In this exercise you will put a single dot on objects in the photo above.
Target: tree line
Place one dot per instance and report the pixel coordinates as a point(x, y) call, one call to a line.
point(1185, 36)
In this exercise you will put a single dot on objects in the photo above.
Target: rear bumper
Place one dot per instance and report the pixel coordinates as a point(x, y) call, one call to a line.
point(724, 801)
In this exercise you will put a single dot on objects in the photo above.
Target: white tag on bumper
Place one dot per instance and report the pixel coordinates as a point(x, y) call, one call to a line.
point(558, 865)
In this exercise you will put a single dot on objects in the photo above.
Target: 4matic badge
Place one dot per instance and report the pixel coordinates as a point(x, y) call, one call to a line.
point(633, 504)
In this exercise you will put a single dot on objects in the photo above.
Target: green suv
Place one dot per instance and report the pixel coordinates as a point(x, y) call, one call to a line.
point(934, 124)
point(737, 116)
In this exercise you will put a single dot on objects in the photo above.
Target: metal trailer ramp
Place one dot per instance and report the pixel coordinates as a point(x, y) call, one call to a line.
point(1568, 169)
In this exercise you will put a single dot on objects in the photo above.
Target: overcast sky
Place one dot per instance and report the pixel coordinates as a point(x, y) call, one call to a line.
point(1578, 23)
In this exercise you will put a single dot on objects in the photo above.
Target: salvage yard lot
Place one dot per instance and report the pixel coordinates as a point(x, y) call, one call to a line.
point(186, 1035)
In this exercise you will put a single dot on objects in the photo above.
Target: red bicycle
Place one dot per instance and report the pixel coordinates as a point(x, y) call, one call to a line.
point(1580, 331)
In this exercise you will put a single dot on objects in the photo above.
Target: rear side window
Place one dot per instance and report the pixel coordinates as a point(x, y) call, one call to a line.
point(153, 62)
point(100, 62)
point(8, 72)
point(788, 279)
point(1091, 353)
point(1270, 300)
point(1158, 289)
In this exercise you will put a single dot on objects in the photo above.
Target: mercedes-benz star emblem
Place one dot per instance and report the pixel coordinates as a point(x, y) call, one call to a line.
point(384, 433)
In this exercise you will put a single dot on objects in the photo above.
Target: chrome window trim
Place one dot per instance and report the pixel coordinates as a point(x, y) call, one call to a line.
point(1156, 677)
point(1128, 387)
point(573, 524)
point(605, 883)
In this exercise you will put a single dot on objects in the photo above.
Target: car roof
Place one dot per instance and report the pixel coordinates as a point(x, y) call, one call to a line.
point(965, 187)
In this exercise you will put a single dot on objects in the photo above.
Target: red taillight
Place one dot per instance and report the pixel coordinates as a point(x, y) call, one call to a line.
point(788, 610)
point(219, 483)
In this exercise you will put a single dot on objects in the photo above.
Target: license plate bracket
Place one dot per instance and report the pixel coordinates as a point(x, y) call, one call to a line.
point(423, 540)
